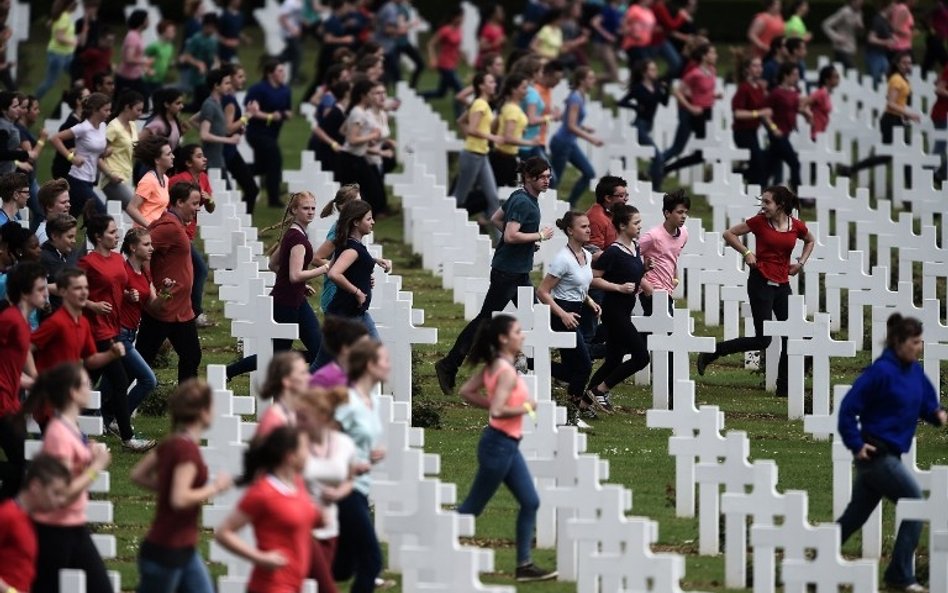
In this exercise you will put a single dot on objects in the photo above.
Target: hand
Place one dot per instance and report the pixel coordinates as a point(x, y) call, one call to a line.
point(360, 467)
point(570, 320)
point(101, 457)
point(597, 142)
point(44, 135)
point(626, 288)
point(867, 452)
point(751, 260)
point(649, 263)
point(914, 117)
point(596, 309)
point(942, 416)
point(222, 482)
point(116, 178)
point(132, 295)
point(252, 108)
point(78, 161)
point(99, 307)
point(235, 140)
point(375, 134)
point(795, 268)
point(547, 233)
point(360, 298)
point(310, 291)
point(25, 166)
point(376, 455)
point(271, 559)
point(695, 110)
point(385, 264)
point(536, 141)
point(766, 112)
point(117, 349)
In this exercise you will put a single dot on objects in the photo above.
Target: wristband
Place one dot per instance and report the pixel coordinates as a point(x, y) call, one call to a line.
point(547, 119)
point(11, 589)
point(773, 127)
point(269, 118)
point(71, 156)
point(334, 146)
point(746, 253)
point(754, 114)
point(40, 143)
point(529, 409)
point(93, 474)
point(244, 119)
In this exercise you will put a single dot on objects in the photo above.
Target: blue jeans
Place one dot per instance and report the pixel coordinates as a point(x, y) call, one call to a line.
point(200, 279)
point(358, 553)
point(499, 460)
point(136, 368)
point(563, 151)
point(55, 64)
point(885, 476)
point(657, 166)
point(190, 578)
point(575, 363)
point(309, 334)
point(672, 58)
point(940, 149)
point(877, 64)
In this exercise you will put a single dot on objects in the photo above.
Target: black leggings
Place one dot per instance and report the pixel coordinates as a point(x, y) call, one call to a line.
point(268, 161)
point(767, 300)
point(12, 440)
point(115, 390)
point(243, 175)
point(68, 547)
point(621, 339)
point(184, 339)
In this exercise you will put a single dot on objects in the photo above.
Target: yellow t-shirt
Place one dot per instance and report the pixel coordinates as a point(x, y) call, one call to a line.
point(902, 89)
point(549, 42)
point(122, 142)
point(473, 143)
point(64, 26)
point(511, 112)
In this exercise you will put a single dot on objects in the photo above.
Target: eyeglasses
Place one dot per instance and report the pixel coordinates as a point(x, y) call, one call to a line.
point(23, 191)
point(624, 196)
point(544, 176)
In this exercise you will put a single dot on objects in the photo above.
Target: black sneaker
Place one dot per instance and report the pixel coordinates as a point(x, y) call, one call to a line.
point(595, 400)
point(606, 402)
point(703, 359)
point(446, 377)
point(532, 572)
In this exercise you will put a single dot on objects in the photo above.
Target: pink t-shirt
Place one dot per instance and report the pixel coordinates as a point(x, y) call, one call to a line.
point(329, 376)
point(701, 85)
point(132, 48)
point(276, 415)
point(512, 426)
point(820, 105)
point(639, 25)
point(902, 24)
point(663, 249)
point(154, 196)
point(67, 444)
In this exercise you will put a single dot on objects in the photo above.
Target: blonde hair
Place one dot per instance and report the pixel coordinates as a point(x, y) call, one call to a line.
point(295, 199)
point(346, 194)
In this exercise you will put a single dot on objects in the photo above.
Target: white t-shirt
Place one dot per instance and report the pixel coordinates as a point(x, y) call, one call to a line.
point(574, 278)
point(331, 470)
point(293, 9)
point(90, 144)
point(366, 122)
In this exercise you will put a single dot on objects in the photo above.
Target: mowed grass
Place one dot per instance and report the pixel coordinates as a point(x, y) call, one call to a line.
point(637, 455)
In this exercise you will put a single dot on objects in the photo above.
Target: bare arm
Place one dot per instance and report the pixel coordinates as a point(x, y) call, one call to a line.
point(809, 242)
point(473, 391)
point(513, 235)
point(505, 385)
point(297, 273)
point(134, 210)
point(183, 496)
point(226, 535)
point(545, 294)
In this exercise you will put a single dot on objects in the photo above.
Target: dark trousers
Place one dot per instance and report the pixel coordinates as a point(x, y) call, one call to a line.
point(356, 169)
point(68, 547)
point(575, 363)
point(114, 390)
point(767, 301)
point(757, 170)
point(183, 336)
point(309, 333)
point(414, 55)
point(80, 192)
point(268, 161)
point(502, 290)
point(622, 339)
point(243, 175)
point(504, 167)
point(12, 439)
point(447, 80)
point(359, 554)
point(782, 151)
point(887, 125)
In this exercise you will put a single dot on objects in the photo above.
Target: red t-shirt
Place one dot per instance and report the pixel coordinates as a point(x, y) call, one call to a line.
point(666, 22)
point(940, 108)
point(15, 345)
point(774, 247)
point(17, 546)
point(492, 39)
point(449, 47)
point(820, 105)
point(176, 528)
point(785, 104)
point(172, 259)
point(131, 314)
point(700, 83)
point(773, 26)
point(205, 184)
point(107, 282)
point(62, 338)
point(748, 97)
point(601, 232)
point(282, 520)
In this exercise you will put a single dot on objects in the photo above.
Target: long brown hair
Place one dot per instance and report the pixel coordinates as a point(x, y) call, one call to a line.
point(350, 214)
point(346, 194)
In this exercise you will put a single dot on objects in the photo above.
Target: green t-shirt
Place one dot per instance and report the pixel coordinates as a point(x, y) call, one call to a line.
point(795, 27)
point(161, 52)
point(517, 258)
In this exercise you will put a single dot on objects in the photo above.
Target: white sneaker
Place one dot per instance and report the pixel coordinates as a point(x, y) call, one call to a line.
point(138, 445)
point(113, 428)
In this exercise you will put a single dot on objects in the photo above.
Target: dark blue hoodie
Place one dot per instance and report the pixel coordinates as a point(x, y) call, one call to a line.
point(886, 402)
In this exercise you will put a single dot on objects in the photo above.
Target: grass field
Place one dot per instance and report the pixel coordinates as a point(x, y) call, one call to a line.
point(638, 456)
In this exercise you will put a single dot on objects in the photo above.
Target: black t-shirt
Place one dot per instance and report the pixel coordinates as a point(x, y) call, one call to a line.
point(620, 266)
point(360, 275)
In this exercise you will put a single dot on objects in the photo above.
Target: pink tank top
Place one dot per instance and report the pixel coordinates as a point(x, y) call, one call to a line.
point(512, 426)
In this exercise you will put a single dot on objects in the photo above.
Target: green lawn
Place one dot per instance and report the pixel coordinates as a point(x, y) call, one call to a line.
point(637, 455)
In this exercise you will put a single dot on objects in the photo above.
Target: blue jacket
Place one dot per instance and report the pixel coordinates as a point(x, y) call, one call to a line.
point(886, 402)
